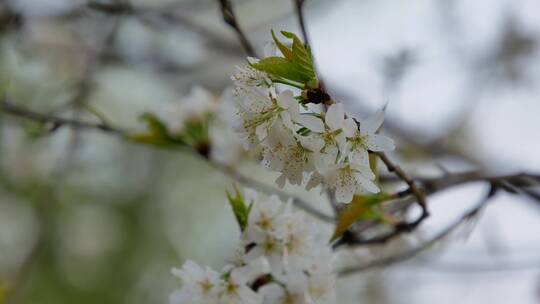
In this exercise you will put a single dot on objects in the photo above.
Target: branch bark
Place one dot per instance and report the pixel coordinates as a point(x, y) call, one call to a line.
point(229, 17)
point(299, 10)
point(411, 253)
point(55, 121)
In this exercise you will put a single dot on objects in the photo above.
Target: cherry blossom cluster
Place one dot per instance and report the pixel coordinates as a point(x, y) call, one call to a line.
point(307, 143)
point(211, 118)
point(282, 257)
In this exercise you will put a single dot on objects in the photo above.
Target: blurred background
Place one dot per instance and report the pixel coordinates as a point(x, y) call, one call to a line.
point(86, 217)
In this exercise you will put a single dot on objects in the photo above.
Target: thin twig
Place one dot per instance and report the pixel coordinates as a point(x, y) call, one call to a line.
point(55, 121)
point(352, 239)
point(299, 10)
point(230, 18)
point(80, 100)
point(406, 255)
point(58, 122)
point(249, 182)
point(403, 176)
point(167, 16)
point(333, 202)
point(519, 181)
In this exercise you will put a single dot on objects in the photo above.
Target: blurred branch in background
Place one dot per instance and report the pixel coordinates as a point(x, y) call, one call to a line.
point(299, 10)
point(516, 184)
point(58, 122)
point(229, 17)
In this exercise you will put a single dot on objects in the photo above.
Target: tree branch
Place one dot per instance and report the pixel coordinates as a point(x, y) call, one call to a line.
point(299, 10)
point(58, 122)
point(55, 122)
point(230, 18)
point(249, 182)
point(350, 238)
point(408, 254)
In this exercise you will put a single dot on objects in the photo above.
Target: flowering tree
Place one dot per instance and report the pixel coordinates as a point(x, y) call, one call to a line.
point(280, 112)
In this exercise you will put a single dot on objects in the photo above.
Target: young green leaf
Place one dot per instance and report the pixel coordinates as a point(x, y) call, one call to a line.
point(287, 53)
point(360, 208)
point(240, 210)
point(157, 134)
point(282, 68)
point(296, 65)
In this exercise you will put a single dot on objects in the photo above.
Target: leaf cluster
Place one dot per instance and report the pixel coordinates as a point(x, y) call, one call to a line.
point(296, 65)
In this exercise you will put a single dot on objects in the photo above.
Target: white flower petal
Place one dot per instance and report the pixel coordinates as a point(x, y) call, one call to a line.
point(252, 60)
point(286, 119)
point(249, 296)
point(372, 124)
point(350, 127)
point(335, 116)
point(377, 143)
point(252, 271)
point(181, 296)
point(177, 272)
point(286, 99)
point(311, 122)
point(366, 184)
point(262, 131)
point(313, 143)
point(359, 157)
point(345, 194)
point(280, 181)
point(314, 181)
point(271, 293)
point(341, 141)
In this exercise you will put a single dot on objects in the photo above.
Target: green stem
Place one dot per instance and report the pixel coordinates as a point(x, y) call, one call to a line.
point(288, 82)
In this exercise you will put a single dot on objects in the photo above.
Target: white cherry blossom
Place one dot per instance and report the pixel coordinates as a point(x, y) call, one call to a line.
point(298, 237)
point(247, 77)
point(234, 289)
point(264, 244)
point(364, 138)
point(199, 285)
point(195, 106)
point(226, 146)
point(283, 153)
point(293, 293)
point(328, 140)
point(282, 258)
point(259, 112)
point(263, 215)
point(347, 179)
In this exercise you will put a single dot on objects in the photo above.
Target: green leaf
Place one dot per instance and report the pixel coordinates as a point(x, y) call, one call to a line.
point(240, 210)
point(157, 134)
point(296, 65)
point(360, 208)
point(280, 67)
point(155, 126)
point(301, 53)
point(284, 49)
point(303, 131)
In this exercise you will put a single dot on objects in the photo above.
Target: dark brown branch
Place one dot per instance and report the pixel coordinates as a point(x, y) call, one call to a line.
point(403, 176)
point(230, 18)
point(515, 183)
point(411, 253)
point(299, 10)
point(351, 238)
